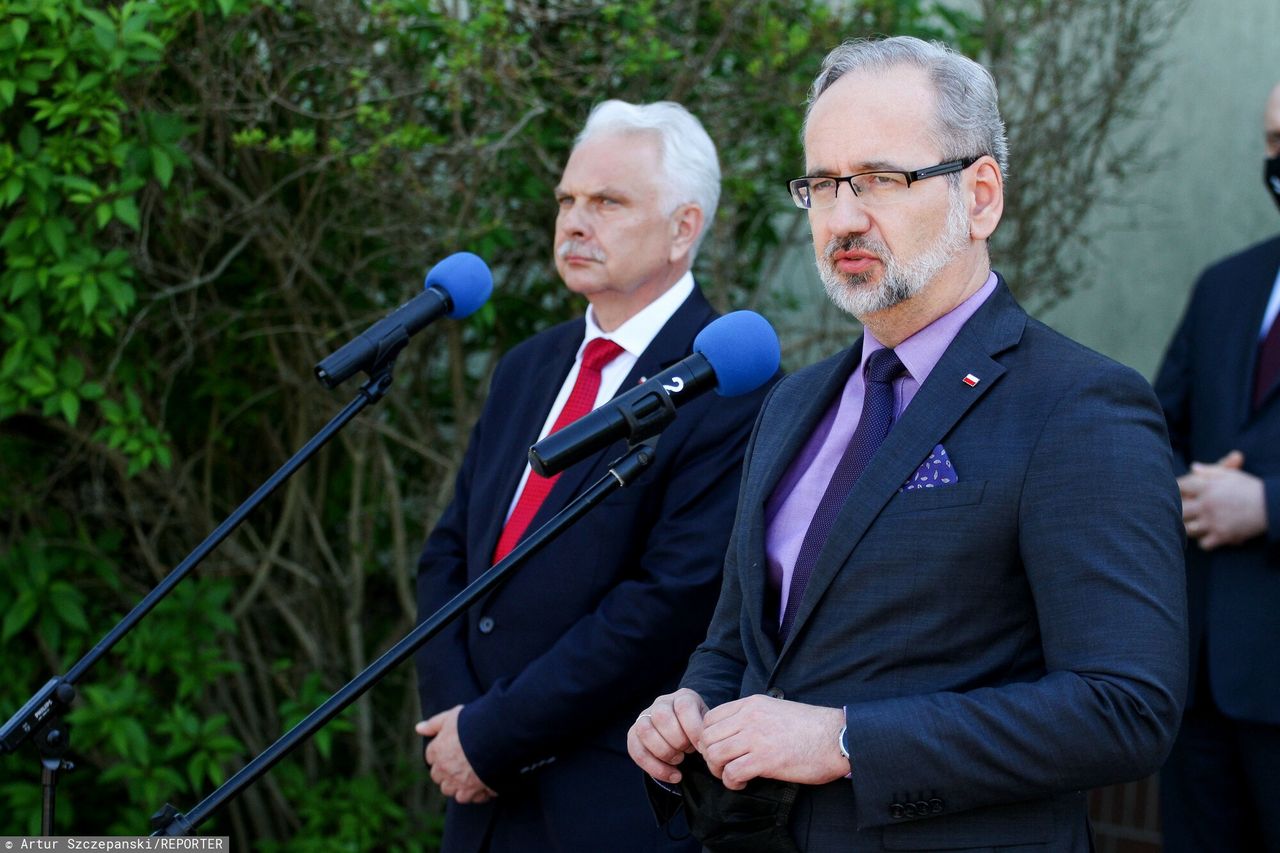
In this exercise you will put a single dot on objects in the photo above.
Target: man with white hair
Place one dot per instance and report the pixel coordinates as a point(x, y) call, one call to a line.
point(529, 696)
point(954, 595)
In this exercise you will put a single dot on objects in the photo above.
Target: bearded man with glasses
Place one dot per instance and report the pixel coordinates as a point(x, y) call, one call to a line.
point(954, 597)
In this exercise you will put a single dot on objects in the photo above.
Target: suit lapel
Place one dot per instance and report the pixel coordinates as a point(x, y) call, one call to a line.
point(528, 407)
point(1247, 323)
point(817, 397)
point(941, 402)
point(672, 343)
point(800, 410)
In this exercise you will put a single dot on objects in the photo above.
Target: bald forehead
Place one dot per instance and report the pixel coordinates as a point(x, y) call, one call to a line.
point(869, 117)
point(612, 154)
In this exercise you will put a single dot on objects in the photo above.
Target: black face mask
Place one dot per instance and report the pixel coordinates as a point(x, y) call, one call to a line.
point(1271, 174)
point(753, 820)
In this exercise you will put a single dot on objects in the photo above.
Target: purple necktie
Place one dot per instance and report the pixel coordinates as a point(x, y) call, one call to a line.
point(877, 418)
point(1268, 364)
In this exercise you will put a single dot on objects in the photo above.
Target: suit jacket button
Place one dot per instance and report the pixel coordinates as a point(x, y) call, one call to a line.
point(922, 808)
point(896, 811)
point(776, 693)
point(935, 806)
point(485, 625)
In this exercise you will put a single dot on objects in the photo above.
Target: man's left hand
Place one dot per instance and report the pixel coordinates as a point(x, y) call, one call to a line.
point(450, 768)
point(775, 739)
point(1222, 504)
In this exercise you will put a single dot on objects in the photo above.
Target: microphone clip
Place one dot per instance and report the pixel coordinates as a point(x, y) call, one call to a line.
point(647, 415)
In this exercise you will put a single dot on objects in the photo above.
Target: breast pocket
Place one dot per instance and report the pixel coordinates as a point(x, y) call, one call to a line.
point(942, 497)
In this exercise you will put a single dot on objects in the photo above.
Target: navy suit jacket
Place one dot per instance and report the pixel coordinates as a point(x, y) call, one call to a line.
point(554, 667)
point(999, 644)
point(1206, 387)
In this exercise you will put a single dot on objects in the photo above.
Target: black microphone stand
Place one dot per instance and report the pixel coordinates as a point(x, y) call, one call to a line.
point(169, 821)
point(42, 715)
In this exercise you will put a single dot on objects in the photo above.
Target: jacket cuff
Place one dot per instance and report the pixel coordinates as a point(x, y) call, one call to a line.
point(1271, 497)
point(481, 740)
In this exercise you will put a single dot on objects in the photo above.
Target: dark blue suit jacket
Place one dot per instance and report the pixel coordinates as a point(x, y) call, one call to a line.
point(1206, 388)
point(1000, 644)
point(555, 666)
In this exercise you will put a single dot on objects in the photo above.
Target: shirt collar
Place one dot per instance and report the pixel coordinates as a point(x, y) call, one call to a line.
point(637, 333)
point(922, 351)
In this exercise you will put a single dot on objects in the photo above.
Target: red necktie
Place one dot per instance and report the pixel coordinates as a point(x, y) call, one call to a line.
point(582, 399)
point(1268, 364)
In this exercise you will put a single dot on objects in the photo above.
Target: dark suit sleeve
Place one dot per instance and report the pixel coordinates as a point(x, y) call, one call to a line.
point(716, 667)
point(1174, 384)
point(1271, 494)
point(444, 674)
point(645, 625)
point(1099, 536)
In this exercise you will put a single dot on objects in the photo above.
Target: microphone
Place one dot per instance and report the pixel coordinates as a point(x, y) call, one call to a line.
point(734, 354)
point(455, 287)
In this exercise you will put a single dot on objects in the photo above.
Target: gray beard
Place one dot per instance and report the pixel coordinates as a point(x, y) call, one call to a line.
point(900, 280)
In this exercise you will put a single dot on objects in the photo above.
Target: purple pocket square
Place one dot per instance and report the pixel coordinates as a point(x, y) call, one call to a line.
point(934, 472)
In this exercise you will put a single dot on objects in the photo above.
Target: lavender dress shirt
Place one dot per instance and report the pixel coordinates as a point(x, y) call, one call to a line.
point(796, 497)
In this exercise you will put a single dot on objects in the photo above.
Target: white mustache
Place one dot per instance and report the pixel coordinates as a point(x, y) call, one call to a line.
point(585, 250)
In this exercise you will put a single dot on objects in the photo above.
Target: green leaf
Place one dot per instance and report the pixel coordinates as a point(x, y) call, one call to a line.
point(23, 281)
point(57, 239)
point(12, 232)
point(19, 614)
point(42, 381)
point(126, 210)
point(69, 403)
point(8, 91)
point(135, 20)
point(162, 165)
point(99, 19)
point(89, 297)
point(19, 28)
point(12, 189)
point(15, 360)
point(29, 140)
point(71, 372)
point(66, 602)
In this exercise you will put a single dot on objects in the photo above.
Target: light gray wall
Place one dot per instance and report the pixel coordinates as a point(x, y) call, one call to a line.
point(1203, 200)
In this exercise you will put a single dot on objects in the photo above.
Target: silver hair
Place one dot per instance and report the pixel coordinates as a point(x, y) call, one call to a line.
point(967, 122)
point(691, 170)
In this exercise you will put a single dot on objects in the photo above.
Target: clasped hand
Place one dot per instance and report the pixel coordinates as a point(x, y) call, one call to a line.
point(1221, 503)
point(450, 768)
point(757, 736)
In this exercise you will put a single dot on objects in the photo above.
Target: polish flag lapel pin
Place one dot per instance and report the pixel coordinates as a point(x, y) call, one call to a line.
point(970, 380)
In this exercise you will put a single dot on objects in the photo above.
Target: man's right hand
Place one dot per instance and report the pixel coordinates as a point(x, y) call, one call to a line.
point(665, 732)
point(1222, 504)
point(450, 767)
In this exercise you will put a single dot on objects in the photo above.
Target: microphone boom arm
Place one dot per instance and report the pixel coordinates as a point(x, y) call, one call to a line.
point(168, 821)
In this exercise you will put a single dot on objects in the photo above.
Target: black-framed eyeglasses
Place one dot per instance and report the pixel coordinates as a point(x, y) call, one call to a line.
point(814, 192)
